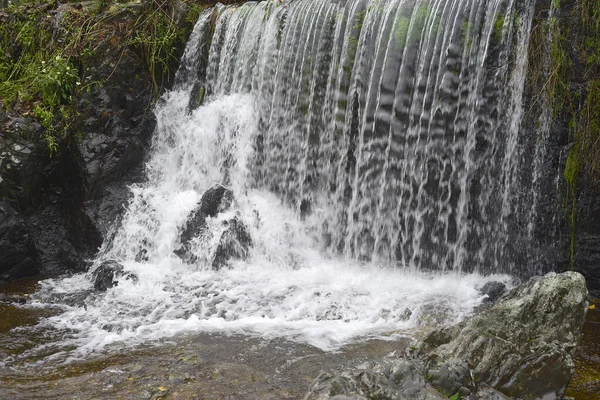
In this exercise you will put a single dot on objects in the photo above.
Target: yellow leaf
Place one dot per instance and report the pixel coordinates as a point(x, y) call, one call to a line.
point(162, 388)
point(592, 306)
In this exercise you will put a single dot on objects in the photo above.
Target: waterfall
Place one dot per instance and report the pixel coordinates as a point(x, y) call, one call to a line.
point(394, 124)
point(374, 153)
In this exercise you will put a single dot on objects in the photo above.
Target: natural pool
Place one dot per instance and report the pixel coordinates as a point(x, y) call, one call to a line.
point(197, 366)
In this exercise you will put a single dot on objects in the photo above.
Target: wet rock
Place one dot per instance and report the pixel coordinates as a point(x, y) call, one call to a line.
point(215, 200)
point(67, 203)
point(493, 290)
point(13, 298)
point(107, 274)
point(386, 379)
point(18, 254)
point(485, 392)
point(235, 239)
point(451, 377)
point(116, 123)
point(196, 97)
point(523, 345)
point(234, 243)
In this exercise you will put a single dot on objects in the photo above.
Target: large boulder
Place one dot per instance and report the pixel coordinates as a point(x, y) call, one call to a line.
point(522, 346)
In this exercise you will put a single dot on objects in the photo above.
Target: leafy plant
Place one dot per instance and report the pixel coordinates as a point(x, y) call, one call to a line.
point(58, 80)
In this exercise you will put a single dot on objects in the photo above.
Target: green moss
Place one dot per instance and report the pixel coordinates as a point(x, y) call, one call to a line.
point(359, 20)
point(498, 27)
point(571, 175)
point(401, 31)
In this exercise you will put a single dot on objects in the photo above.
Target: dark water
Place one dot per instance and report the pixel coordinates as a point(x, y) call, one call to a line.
point(585, 385)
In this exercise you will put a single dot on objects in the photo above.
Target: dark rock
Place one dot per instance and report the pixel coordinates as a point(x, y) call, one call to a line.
point(117, 125)
point(107, 274)
point(523, 345)
point(214, 200)
point(493, 290)
point(234, 243)
point(587, 234)
point(18, 253)
point(451, 377)
point(197, 96)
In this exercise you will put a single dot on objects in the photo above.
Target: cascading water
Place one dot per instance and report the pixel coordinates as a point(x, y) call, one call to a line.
point(365, 143)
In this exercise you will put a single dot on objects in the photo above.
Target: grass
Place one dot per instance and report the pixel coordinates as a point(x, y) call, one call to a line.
point(43, 64)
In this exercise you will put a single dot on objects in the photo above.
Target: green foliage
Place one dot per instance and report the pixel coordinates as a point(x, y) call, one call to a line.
point(455, 396)
point(44, 116)
point(99, 6)
point(58, 80)
point(42, 62)
point(36, 70)
point(155, 36)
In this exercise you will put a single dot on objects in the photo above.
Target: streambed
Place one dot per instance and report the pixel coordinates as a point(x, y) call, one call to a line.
point(199, 365)
point(188, 366)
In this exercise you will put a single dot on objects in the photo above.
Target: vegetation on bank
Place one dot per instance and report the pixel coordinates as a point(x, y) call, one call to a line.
point(569, 39)
point(47, 48)
point(584, 125)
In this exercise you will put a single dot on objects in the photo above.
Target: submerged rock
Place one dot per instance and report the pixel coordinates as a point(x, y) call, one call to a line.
point(107, 274)
point(522, 346)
